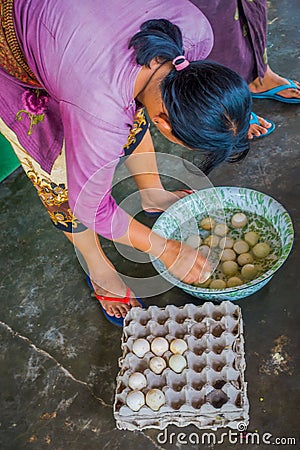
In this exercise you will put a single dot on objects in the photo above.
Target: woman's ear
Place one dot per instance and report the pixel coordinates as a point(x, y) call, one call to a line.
point(162, 120)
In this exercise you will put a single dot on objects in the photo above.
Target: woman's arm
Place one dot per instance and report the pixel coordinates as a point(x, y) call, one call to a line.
point(182, 261)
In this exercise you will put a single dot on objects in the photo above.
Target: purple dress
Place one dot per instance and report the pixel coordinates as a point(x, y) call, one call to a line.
point(240, 29)
point(79, 53)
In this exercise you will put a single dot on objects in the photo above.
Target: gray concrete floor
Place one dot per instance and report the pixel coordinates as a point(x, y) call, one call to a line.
point(59, 356)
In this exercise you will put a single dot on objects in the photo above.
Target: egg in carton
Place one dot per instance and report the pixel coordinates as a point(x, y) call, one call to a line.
point(182, 366)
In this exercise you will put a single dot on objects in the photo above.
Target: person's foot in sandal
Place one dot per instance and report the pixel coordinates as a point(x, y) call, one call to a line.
point(259, 127)
point(112, 306)
point(272, 81)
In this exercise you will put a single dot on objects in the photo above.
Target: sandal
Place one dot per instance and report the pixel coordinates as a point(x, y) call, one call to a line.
point(273, 93)
point(155, 214)
point(118, 321)
point(254, 120)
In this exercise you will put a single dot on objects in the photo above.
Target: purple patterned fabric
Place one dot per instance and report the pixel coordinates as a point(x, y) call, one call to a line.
point(78, 51)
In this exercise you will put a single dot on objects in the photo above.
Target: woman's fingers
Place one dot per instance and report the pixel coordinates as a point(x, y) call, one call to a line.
point(186, 263)
point(199, 272)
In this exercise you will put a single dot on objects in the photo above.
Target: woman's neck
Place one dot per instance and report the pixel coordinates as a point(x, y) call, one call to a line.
point(149, 79)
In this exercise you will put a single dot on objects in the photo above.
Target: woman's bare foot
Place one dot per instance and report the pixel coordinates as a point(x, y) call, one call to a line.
point(272, 80)
point(156, 200)
point(256, 130)
point(116, 289)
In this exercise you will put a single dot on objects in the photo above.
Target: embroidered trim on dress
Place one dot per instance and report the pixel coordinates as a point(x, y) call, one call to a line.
point(12, 58)
point(139, 122)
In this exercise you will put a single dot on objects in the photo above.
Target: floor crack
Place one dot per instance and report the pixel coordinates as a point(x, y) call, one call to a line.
point(153, 441)
point(58, 364)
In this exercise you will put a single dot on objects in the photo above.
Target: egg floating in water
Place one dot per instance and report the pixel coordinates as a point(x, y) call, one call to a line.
point(249, 271)
point(239, 220)
point(261, 250)
point(251, 238)
point(212, 241)
point(245, 258)
point(230, 268)
point(207, 223)
point(226, 242)
point(221, 229)
point(229, 254)
point(217, 284)
point(204, 250)
point(233, 282)
point(240, 246)
point(194, 241)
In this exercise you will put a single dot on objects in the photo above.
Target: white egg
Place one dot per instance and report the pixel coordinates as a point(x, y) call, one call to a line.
point(204, 250)
point(239, 220)
point(207, 223)
point(212, 240)
point(245, 258)
point(178, 346)
point(177, 363)
point(228, 255)
point(240, 247)
point(229, 268)
point(226, 242)
point(157, 364)
point(221, 229)
point(159, 346)
point(140, 347)
point(217, 284)
point(249, 271)
point(155, 399)
point(234, 281)
point(194, 241)
point(137, 381)
point(135, 400)
point(261, 250)
point(251, 238)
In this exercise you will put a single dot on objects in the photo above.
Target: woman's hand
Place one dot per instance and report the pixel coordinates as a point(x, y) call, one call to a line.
point(180, 259)
point(185, 263)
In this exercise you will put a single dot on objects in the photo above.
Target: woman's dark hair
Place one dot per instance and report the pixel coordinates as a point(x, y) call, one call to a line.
point(208, 104)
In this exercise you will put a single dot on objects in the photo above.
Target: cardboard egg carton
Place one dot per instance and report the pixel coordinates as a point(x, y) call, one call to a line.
point(211, 391)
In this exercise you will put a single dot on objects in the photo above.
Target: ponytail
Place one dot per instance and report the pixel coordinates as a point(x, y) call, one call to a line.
point(157, 38)
point(208, 104)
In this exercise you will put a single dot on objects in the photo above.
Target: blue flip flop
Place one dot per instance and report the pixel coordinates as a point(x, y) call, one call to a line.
point(155, 214)
point(272, 93)
point(118, 321)
point(254, 120)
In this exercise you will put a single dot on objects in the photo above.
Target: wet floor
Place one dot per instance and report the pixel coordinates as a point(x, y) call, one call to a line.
point(59, 356)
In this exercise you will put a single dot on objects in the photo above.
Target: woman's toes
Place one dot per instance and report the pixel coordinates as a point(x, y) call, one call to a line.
point(123, 310)
point(256, 131)
point(110, 311)
point(264, 123)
